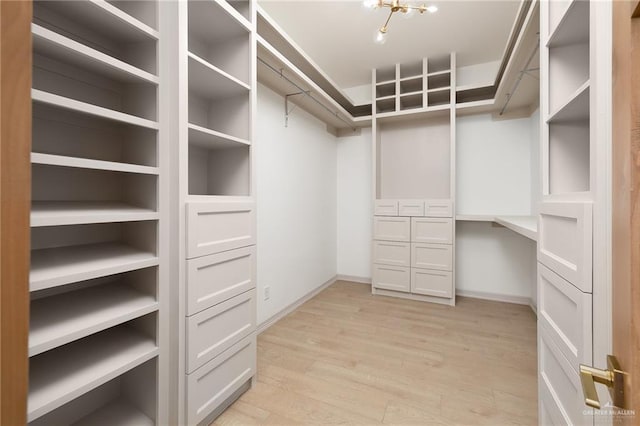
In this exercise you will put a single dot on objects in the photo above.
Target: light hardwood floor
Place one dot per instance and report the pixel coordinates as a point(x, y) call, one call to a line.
point(347, 357)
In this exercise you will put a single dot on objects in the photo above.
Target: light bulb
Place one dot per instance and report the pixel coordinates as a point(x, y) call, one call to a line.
point(381, 36)
point(407, 13)
point(370, 4)
point(432, 9)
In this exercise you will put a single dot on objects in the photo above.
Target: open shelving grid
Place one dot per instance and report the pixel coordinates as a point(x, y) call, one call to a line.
point(94, 280)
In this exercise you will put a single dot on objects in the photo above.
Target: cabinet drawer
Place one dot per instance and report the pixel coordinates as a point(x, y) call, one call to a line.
point(431, 283)
point(432, 256)
point(438, 208)
point(391, 253)
point(565, 314)
point(411, 207)
point(217, 380)
point(213, 227)
point(215, 278)
point(395, 278)
point(214, 330)
point(386, 208)
point(432, 230)
point(565, 241)
point(392, 228)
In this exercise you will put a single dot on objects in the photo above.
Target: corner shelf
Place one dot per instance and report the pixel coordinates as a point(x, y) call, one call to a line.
point(576, 108)
point(526, 226)
point(57, 213)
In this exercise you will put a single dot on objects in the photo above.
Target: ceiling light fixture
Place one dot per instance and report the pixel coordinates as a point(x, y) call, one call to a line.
point(395, 6)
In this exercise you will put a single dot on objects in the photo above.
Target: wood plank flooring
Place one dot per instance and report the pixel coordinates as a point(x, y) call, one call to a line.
point(347, 357)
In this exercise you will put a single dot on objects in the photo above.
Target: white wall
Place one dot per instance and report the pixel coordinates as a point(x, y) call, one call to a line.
point(360, 95)
point(296, 195)
point(479, 74)
point(355, 206)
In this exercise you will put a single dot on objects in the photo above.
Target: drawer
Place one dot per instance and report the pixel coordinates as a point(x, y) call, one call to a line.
point(432, 230)
point(214, 382)
point(213, 227)
point(391, 253)
point(215, 278)
point(411, 207)
point(438, 208)
point(386, 208)
point(566, 315)
point(565, 241)
point(392, 228)
point(431, 282)
point(432, 256)
point(214, 330)
point(396, 278)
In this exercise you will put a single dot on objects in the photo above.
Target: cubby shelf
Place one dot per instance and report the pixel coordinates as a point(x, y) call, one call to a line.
point(60, 319)
point(211, 82)
point(118, 412)
point(384, 98)
point(435, 73)
point(576, 108)
point(439, 89)
point(57, 213)
point(384, 83)
point(53, 267)
point(411, 77)
point(55, 45)
point(85, 163)
point(207, 138)
point(89, 109)
point(571, 28)
point(60, 375)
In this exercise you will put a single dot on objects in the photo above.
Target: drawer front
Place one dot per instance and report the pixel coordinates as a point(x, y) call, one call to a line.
point(438, 208)
point(214, 330)
point(391, 253)
point(432, 256)
point(565, 241)
point(386, 208)
point(218, 277)
point(394, 278)
point(432, 283)
point(432, 230)
point(213, 383)
point(565, 313)
point(213, 227)
point(392, 228)
point(411, 207)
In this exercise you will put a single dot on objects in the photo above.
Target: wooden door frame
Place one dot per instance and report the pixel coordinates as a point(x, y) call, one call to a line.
point(15, 195)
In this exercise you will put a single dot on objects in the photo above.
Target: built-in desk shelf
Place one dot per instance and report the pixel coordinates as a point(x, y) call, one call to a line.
point(527, 226)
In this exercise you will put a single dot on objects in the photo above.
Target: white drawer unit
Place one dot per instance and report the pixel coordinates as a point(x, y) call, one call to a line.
point(213, 227)
point(386, 208)
point(215, 278)
point(438, 208)
point(432, 230)
point(431, 282)
point(391, 253)
point(214, 330)
point(565, 242)
point(411, 208)
point(214, 382)
point(396, 278)
point(432, 256)
point(392, 228)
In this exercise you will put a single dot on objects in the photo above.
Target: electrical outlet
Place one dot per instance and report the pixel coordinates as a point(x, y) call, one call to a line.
point(267, 293)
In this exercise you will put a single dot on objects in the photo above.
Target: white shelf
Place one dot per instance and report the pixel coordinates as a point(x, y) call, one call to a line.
point(49, 43)
point(211, 82)
point(414, 114)
point(209, 20)
point(56, 213)
point(86, 163)
point(439, 89)
point(100, 14)
point(415, 93)
point(386, 98)
point(59, 376)
point(474, 218)
point(435, 73)
point(86, 108)
point(60, 319)
point(63, 265)
point(386, 82)
point(571, 28)
point(526, 226)
point(575, 108)
point(210, 139)
point(118, 412)
point(413, 77)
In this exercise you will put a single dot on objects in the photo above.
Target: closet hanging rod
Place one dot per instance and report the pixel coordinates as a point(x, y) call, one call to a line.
point(524, 71)
point(306, 93)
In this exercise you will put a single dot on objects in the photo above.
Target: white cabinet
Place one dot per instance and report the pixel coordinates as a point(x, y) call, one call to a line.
point(432, 230)
point(432, 283)
point(438, 208)
point(392, 228)
point(432, 256)
point(411, 208)
point(392, 253)
point(396, 278)
point(386, 208)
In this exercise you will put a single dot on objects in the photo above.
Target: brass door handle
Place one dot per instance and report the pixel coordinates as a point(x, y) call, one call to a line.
point(613, 378)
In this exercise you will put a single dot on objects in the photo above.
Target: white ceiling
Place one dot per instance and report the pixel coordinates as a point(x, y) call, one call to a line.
point(338, 35)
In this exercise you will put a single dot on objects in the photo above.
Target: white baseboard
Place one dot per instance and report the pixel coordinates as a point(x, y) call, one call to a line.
point(354, 279)
point(292, 307)
point(496, 297)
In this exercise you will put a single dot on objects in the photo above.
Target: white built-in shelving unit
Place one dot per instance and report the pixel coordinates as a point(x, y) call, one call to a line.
point(96, 237)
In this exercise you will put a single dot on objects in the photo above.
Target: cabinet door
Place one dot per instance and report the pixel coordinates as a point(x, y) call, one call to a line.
point(438, 208)
point(565, 242)
point(391, 253)
point(392, 228)
point(396, 278)
point(431, 283)
point(411, 207)
point(432, 230)
point(386, 208)
point(432, 256)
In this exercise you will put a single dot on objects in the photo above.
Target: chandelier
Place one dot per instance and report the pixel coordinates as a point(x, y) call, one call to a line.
point(395, 6)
